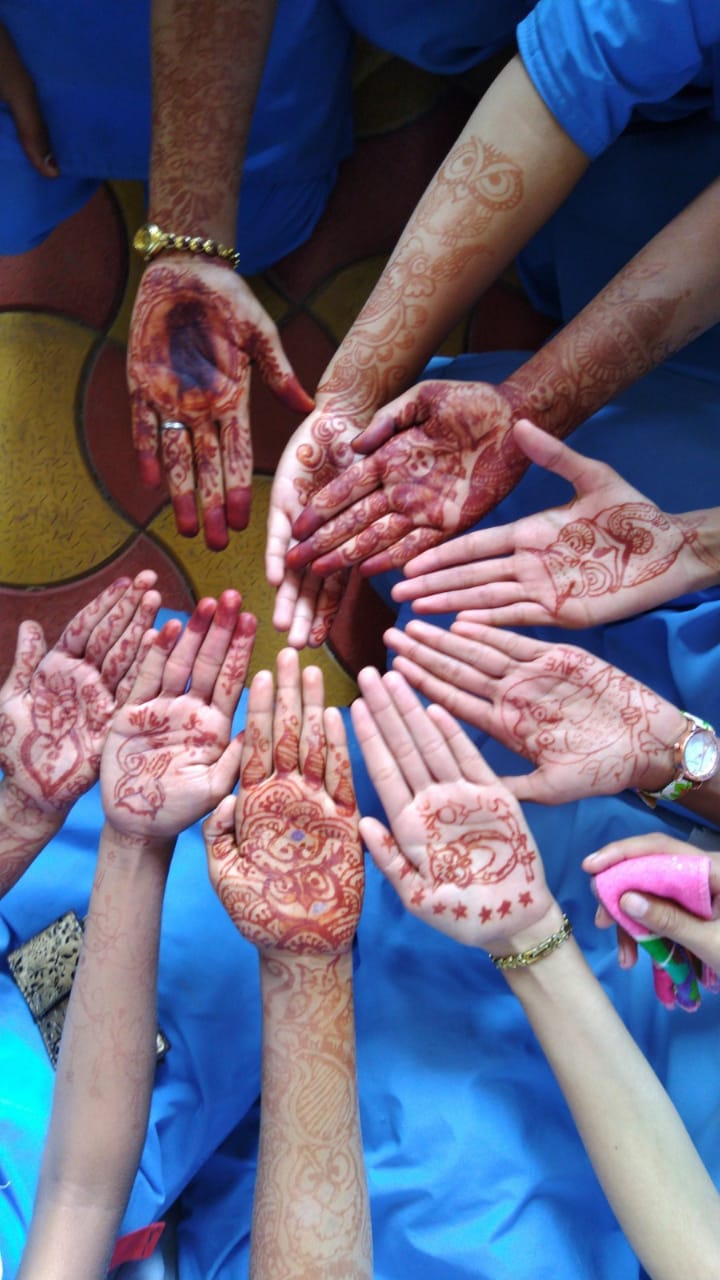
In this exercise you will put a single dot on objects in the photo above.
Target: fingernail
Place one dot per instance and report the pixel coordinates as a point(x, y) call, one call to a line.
point(635, 905)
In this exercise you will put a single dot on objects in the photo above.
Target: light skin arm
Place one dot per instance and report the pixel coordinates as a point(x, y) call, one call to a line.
point(391, 507)
point(609, 553)
point(197, 328)
point(639, 1148)
point(286, 862)
point(55, 711)
point(168, 758)
point(511, 167)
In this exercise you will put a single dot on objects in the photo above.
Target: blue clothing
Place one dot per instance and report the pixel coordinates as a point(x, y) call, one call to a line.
point(594, 61)
point(91, 66)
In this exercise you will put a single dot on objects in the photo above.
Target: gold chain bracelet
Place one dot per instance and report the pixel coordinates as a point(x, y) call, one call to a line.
point(149, 240)
point(538, 952)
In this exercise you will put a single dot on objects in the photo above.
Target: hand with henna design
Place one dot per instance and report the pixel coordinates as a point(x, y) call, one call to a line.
point(55, 711)
point(608, 554)
point(196, 330)
point(285, 858)
point(169, 757)
point(458, 850)
point(316, 453)
point(286, 862)
point(451, 461)
point(588, 728)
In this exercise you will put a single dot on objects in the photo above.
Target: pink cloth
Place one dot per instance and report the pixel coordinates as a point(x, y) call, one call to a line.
point(684, 878)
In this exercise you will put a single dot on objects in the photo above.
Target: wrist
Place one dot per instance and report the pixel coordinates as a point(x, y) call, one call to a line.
point(531, 935)
point(701, 552)
point(131, 846)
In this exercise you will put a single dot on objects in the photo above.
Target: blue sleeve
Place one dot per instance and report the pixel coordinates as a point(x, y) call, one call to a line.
point(594, 61)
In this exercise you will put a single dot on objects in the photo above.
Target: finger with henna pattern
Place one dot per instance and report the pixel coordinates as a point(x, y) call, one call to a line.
point(288, 713)
point(345, 490)
point(362, 539)
point(146, 441)
point(237, 463)
point(210, 485)
point(219, 831)
point(76, 635)
point(130, 677)
point(176, 450)
point(215, 645)
point(232, 675)
point(120, 658)
point(256, 761)
point(312, 734)
point(338, 769)
point(179, 665)
point(395, 556)
point(151, 668)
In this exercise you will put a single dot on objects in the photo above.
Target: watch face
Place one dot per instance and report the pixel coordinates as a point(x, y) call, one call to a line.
point(701, 755)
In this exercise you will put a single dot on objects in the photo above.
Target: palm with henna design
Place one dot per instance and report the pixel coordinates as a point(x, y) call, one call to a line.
point(458, 852)
point(607, 554)
point(196, 330)
point(589, 728)
point(56, 705)
point(285, 857)
point(316, 453)
point(169, 756)
point(451, 461)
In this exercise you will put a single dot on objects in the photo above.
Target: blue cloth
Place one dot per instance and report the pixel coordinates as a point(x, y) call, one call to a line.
point(594, 61)
point(91, 67)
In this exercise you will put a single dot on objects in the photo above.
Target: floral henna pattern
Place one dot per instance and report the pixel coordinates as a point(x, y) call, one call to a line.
point(310, 1213)
point(297, 884)
point(614, 341)
point(585, 714)
point(618, 548)
point(61, 752)
point(146, 758)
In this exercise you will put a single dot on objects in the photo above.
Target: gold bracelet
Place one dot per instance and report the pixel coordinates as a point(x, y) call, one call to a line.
point(149, 240)
point(533, 954)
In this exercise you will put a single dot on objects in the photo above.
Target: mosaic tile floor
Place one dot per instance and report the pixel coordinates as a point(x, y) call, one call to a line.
point(73, 514)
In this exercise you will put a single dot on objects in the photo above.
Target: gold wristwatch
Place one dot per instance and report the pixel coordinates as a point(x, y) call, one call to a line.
point(149, 240)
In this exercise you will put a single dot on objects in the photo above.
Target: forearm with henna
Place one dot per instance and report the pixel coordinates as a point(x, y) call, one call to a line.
point(311, 1214)
point(208, 57)
point(510, 168)
point(666, 296)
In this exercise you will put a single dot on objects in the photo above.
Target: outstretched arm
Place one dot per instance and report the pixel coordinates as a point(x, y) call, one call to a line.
point(608, 554)
point(636, 1141)
point(167, 759)
point(454, 456)
point(286, 862)
point(55, 710)
point(196, 327)
point(588, 727)
point(511, 167)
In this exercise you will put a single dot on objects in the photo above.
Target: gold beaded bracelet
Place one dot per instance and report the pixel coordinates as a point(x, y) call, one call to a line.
point(149, 240)
point(538, 952)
